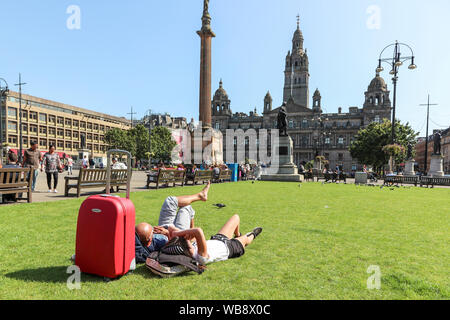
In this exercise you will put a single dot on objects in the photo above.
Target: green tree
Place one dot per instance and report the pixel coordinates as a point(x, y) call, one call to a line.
point(162, 144)
point(369, 145)
point(140, 136)
point(120, 139)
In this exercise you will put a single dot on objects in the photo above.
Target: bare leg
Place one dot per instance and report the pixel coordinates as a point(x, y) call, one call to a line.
point(231, 227)
point(184, 201)
point(246, 240)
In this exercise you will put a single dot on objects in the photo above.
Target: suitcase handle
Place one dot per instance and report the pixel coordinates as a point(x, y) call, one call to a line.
point(108, 169)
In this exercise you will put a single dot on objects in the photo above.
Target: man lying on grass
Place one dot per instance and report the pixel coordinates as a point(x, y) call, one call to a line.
point(177, 213)
point(221, 247)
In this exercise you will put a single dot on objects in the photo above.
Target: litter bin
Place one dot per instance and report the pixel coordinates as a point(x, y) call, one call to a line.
point(234, 171)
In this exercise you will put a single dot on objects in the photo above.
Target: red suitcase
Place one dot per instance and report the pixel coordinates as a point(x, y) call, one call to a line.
point(106, 231)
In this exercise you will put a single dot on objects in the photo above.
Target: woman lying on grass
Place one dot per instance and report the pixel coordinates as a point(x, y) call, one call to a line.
point(221, 247)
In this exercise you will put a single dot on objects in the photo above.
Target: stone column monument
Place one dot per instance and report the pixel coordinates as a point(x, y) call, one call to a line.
point(206, 34)
point(211, 141)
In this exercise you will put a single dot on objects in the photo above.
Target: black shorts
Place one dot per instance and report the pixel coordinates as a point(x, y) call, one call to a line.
point(235, 247)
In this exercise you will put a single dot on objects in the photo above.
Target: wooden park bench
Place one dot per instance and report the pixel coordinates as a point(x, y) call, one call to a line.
point(15, 181)
point(201, 176)
point(225, 175)
point(334, 177)
point(161, 177)
point(95, 178)
point(391, 180)
point(435, 181)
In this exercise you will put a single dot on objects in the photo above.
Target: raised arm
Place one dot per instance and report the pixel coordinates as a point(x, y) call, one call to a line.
point(198, 235)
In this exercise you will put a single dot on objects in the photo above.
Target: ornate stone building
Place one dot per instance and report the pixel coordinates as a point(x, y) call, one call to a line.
point(313, 132)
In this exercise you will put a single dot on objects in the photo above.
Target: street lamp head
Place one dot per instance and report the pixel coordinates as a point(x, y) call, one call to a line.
point(380, 68)
point(412, 66)
point(392, 72)
point(398, 63)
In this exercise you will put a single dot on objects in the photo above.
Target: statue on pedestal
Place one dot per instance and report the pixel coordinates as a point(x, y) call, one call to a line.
point(409, 152)
point(437, 143)
point(282, 120)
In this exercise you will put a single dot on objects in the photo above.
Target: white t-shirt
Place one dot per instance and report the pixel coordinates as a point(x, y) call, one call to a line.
point(119, 166)
point(217, 251)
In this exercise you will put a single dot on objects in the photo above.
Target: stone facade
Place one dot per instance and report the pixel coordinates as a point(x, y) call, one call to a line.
point(313, 132)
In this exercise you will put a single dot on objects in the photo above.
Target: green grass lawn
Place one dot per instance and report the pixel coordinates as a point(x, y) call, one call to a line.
point(318, 242)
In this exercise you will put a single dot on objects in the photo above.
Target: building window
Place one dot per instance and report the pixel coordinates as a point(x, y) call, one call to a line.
point(43, 143)
point(12, 126)
point(42, 117)
point(34, 129)
point(68, 145)
point(12, 113)
point(52, 119)
point(75, 123)
point(217, 126)
point(327, 140)
point(89, 126)
point(60, 133)
point(33, 115)
point(68, 122)
point(42, 130)
point(60, 144)
point(24, 114)
point(76, 134)
point(52, 131)
point(60, 121)
point(377, 119)
point(291, 124)
point(12, 140)
point(83, 125)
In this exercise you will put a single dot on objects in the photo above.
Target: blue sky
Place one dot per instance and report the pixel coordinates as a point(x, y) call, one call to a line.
point(145, 53)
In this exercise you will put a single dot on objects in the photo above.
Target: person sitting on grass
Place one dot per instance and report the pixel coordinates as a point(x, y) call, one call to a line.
point(221, 246)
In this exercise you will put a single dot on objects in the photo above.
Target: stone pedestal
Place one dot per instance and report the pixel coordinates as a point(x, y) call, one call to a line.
point(82, 153)
point(287, 170)
point(409, 168)
point(360, 178)
point(206, 147)
point(436, 166)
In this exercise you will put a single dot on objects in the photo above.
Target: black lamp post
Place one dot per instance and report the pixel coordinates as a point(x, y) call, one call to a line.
point(150, 123)
point(320, 142)
point(3, 95)
point(395, 62)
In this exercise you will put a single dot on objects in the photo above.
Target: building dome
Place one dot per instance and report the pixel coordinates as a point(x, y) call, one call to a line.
point(221, 94)
point(377, 84)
